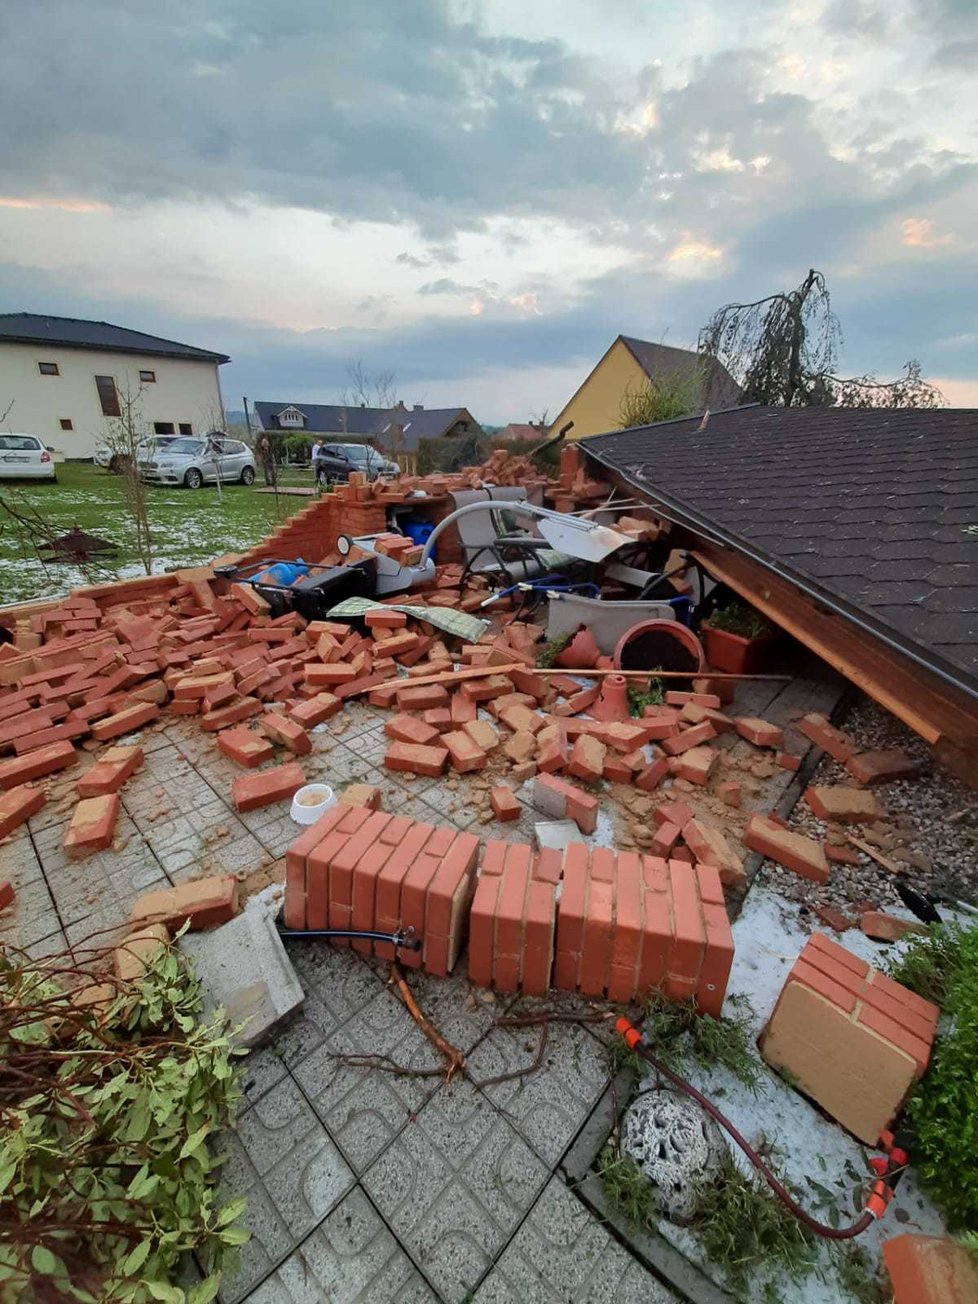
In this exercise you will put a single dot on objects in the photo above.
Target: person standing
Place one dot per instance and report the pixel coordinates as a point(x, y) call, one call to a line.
point(267, 459)
point(315, 454)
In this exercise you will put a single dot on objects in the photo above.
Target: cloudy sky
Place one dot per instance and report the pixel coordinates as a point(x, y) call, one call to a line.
point(480, 194)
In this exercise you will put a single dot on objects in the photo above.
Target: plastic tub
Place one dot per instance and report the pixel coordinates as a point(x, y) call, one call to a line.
point(312, 801)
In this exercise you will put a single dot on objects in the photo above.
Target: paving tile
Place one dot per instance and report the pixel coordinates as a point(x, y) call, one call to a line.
point(270, 1239)
point(550, 1105)
point(461, 1013)
point(293, 1155)
point(454, 1185)
point(351, 1258)
point(260, 1069)
point(563, 1253)
point(32, 917)
point(19, 863)
point(364, 1107)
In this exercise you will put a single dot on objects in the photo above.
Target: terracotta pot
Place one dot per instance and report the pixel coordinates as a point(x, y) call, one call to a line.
point(735, 655)
point(581, 653)
point(612, 703)
point(686, 652)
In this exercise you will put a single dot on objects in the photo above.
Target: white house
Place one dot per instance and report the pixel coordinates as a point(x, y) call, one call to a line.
point(62, 379)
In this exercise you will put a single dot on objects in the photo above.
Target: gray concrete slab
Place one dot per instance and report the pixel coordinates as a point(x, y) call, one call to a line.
point(244, 969)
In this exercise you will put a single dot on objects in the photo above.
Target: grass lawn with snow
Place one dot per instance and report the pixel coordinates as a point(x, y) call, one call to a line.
point(188, 526)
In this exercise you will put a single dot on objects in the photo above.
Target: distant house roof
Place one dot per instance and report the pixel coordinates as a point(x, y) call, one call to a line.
point(872, 509)
point(73, 333)
point(325, 418)
point(516, 430)
point(661, 359)
point(368, 423)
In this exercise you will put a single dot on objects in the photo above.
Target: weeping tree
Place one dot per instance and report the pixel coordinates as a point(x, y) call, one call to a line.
point(783, 350)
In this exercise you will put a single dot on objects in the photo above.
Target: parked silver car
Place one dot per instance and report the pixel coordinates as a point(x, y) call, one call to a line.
point(25, 457)
point(193, 462)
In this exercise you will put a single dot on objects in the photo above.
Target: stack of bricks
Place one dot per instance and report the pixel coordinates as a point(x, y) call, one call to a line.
point(358, 868)
point(854, 1040)
point(623, 925)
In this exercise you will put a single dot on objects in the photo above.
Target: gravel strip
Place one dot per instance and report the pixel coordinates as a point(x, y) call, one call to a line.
point(930, 826)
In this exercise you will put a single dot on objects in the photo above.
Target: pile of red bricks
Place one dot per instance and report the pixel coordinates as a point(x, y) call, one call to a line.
point(364, 869)
point(852, 1038)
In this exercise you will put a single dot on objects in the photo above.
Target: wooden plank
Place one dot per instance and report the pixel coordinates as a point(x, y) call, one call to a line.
point(941, 715)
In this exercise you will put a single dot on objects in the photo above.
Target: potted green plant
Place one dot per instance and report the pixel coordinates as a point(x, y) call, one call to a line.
point(738, 639)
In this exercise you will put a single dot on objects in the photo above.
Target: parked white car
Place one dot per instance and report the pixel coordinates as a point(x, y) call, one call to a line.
point(24, 457)
point(194, 462)
point(111, 459)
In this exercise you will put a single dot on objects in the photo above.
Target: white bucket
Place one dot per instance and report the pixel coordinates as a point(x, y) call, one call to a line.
point(312, 801)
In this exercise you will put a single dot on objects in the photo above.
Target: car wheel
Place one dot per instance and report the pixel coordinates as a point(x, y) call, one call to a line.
point(193, 479)
point(324, 478)
point(248, 475)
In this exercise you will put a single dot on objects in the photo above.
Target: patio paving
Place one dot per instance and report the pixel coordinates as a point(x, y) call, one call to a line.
point(364, 1184)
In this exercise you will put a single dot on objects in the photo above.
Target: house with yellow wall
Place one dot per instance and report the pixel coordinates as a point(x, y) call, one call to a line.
point(626, 369)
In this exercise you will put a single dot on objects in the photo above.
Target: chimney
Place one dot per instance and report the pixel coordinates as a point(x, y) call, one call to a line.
point(419, 407)
point(363, 405)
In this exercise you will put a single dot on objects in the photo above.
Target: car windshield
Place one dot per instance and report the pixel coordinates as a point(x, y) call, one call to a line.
point(360, 453)
point(189, 447)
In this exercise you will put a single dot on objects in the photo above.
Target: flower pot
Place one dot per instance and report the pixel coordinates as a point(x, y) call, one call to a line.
point(581, 653)
point(612, 703)
point(735, 655)
point(660, 645)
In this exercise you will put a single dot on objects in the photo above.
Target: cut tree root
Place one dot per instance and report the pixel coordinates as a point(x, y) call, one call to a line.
point(453, 1057)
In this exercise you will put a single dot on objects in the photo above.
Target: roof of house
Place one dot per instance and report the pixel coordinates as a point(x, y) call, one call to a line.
point(872, 509)
point(325, 418)
point(368, 423)
point(659, 359)
point(524, 430)
point(74, 333)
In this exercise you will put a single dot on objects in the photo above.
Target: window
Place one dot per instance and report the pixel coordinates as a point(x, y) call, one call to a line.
point(147, 377)
point(49, 369)
point(108, 396)
point(66, 423)
point(186, 428)
point(20, 443)
point(165, 428)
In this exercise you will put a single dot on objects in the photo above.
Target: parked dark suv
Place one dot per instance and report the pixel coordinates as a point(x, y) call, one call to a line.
point(335, 462)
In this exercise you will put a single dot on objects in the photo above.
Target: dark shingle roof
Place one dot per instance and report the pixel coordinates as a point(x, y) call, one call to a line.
point(366, 422)
point(73, 333)
point(875, 509)
point(326, 417)
point(661, 359)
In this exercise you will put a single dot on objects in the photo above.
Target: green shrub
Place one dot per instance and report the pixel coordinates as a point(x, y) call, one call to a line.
point(106, 1171)
point(942, 1108)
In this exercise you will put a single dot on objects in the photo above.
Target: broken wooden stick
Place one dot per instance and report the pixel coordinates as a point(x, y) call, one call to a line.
point(454, 1059)
point(873, 854)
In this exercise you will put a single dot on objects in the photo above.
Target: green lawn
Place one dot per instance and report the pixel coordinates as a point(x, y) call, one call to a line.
point(188, 527)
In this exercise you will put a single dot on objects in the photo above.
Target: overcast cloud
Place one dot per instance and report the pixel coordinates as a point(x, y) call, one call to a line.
point(481, 195)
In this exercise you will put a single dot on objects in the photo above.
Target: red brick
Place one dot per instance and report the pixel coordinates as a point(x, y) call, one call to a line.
point(793, 850)
point(464, 755)
point(505, 804)
point(21, 726)
point(384, 618)
point(6, 889)
point(314, 710)
point(710, 846)
point(717, 960)
point(242, 709)
point(125, 721)
point(788, 761)
point(689, 936)
point(844, 805)
point(494, 857)
point(673, 812)
point(481, 924)
point(205, 902)
point(729, 793)
point(295, 864)
point(549, 865)
point(596, 950)
point(616, 770)
point(18, 805)
point(887, 928)
point(361, 794)
point(343, 864)
point(817, 728)
point(759, 732)
point(897, 1035)
point(882, 766)
point(448, 897)
point(841, 855)
point(484, 690)
point(571, 915)
point(839, 993)
point(508, 928)
point(463, 711)
point(286, 732)
point(538, 937)
point(930, 1270)
point(196, 685)
point(695, 766)
point(251, 791)
point(245, 747)
point(24, 769)
point(664, 839)
point(116, 765)
point(408, 757)
point(626, 941)
point(818, 945)
point(390, 881)
point(409, 729)
point(587, 759)
point(423, 697)
point(699, 733)
point(92, 825)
